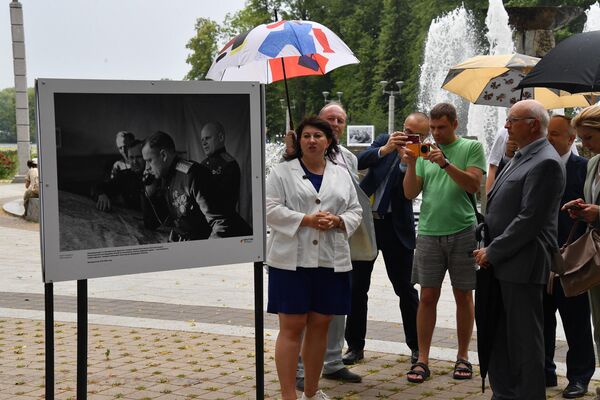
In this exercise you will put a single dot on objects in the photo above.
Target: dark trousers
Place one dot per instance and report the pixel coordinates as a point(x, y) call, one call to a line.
point(516, 368)
point(575, 315)
point(398, 264)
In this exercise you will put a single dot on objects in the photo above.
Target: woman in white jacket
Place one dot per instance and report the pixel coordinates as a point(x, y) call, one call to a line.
point(312, 209)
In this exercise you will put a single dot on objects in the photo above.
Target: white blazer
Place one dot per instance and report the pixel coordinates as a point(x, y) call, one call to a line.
point(289, 198)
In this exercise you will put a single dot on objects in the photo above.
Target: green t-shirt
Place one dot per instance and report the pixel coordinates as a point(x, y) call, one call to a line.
point(446, 209)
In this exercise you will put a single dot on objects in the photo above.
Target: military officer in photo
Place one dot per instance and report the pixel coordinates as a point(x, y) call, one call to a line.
point(182, 183)
point(223, 194)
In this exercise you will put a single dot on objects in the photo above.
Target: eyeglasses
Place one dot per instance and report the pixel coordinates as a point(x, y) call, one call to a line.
point(512, 120)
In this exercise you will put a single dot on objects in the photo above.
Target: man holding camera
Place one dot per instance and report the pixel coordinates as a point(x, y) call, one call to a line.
point(448, 176)
point(394, 233)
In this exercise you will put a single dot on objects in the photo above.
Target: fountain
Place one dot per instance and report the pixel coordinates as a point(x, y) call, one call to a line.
point(451, 39)
point(484, 121)
point(593, 18)
point(273, 155)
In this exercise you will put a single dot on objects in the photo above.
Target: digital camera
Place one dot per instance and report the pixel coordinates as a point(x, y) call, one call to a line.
point(420, 149)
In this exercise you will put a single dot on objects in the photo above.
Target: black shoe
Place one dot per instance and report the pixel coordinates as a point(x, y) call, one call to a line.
point(551, 381)
point(344, 375)
point(353, 356)
point(574, 390)
point(414, 356)
point(300, 384)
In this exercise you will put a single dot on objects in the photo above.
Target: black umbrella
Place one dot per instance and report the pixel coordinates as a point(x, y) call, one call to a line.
point(573, 66)
point(488, 307)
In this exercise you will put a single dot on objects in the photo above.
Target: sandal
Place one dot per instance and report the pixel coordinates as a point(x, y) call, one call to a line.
point(423, 375)
point(465, 372)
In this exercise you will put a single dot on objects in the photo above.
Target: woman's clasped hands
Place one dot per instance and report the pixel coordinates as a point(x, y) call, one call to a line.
point(323, 220)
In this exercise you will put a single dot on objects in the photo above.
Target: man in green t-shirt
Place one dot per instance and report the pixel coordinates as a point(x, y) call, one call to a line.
point(448, 175)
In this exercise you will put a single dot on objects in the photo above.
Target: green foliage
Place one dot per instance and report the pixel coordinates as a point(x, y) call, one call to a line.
point(8, 163)
point(8, 121)
point(203, 48)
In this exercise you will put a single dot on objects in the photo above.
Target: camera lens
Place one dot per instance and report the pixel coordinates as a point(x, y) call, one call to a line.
point(424, 148)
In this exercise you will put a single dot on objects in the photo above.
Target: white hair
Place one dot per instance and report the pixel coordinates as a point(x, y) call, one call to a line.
point(538, 112)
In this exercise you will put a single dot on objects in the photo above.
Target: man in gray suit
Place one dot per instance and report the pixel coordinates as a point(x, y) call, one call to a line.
point(522, 214)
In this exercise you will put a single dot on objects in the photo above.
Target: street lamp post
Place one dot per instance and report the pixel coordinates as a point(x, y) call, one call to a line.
point(21, 101)
point(392, 101)
point(339, 95)
point(287, 114)
point(325, 95)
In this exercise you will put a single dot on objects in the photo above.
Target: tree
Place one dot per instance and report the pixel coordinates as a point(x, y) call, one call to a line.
point(203, 48)
point(8, 119)
point(8, 123)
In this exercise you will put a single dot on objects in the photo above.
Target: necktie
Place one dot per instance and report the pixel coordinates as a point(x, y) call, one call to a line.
point(510, 164)
point(387, 192)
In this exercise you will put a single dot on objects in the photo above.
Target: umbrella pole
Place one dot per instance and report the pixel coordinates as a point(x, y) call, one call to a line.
point(287, 95)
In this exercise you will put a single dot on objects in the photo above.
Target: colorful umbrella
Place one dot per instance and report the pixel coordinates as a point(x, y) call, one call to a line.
point(281, 50)
point(493, 80)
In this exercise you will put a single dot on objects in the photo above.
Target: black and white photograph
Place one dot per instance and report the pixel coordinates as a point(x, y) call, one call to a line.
point(140, 173)
point(360, 135)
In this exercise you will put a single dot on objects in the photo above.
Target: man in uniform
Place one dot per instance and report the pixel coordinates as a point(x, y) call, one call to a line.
point(224, 183)
point(183, 182)
point(125, 185)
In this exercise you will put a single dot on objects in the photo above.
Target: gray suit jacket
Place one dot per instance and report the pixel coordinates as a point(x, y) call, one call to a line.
point(587, 188)
point(522, 214)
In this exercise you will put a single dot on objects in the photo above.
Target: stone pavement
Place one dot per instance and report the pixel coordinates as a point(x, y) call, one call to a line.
point(131, 363)
point(187, 334)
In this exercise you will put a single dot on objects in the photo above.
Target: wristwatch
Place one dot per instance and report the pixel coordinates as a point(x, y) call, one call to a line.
point(445, 165)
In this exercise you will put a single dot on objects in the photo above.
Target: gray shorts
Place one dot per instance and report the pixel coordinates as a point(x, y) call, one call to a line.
point(436, 254)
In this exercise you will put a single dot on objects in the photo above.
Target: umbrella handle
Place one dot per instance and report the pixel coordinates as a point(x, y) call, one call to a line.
point(287, 95)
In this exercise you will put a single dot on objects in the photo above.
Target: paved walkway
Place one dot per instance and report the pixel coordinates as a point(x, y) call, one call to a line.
point(187, 334)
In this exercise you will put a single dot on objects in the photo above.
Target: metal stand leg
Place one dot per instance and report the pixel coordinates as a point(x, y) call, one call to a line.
point(82, 338)
point(49, 324)
point(259, 333)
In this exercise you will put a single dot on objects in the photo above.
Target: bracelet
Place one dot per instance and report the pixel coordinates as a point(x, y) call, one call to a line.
point(445, 165)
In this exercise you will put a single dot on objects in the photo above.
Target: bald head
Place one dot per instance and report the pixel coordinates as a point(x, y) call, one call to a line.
point(212, 138)
point(417, 123)
point(561, 134)
point(335, 114)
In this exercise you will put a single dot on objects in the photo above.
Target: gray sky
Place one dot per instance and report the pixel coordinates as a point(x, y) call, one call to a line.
point(106, 39)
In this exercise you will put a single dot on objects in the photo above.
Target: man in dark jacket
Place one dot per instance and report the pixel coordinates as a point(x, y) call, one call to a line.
point(574, 311)
point(395, 235)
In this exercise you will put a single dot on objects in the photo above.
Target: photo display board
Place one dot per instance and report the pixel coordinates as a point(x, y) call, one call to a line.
point(143, 176)
point(360, 135)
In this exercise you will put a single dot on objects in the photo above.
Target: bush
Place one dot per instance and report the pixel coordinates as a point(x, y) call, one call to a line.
point(8, 164)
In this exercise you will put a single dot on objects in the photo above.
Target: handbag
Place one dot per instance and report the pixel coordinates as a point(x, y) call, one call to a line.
point(363, 246)
point(580, 263)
